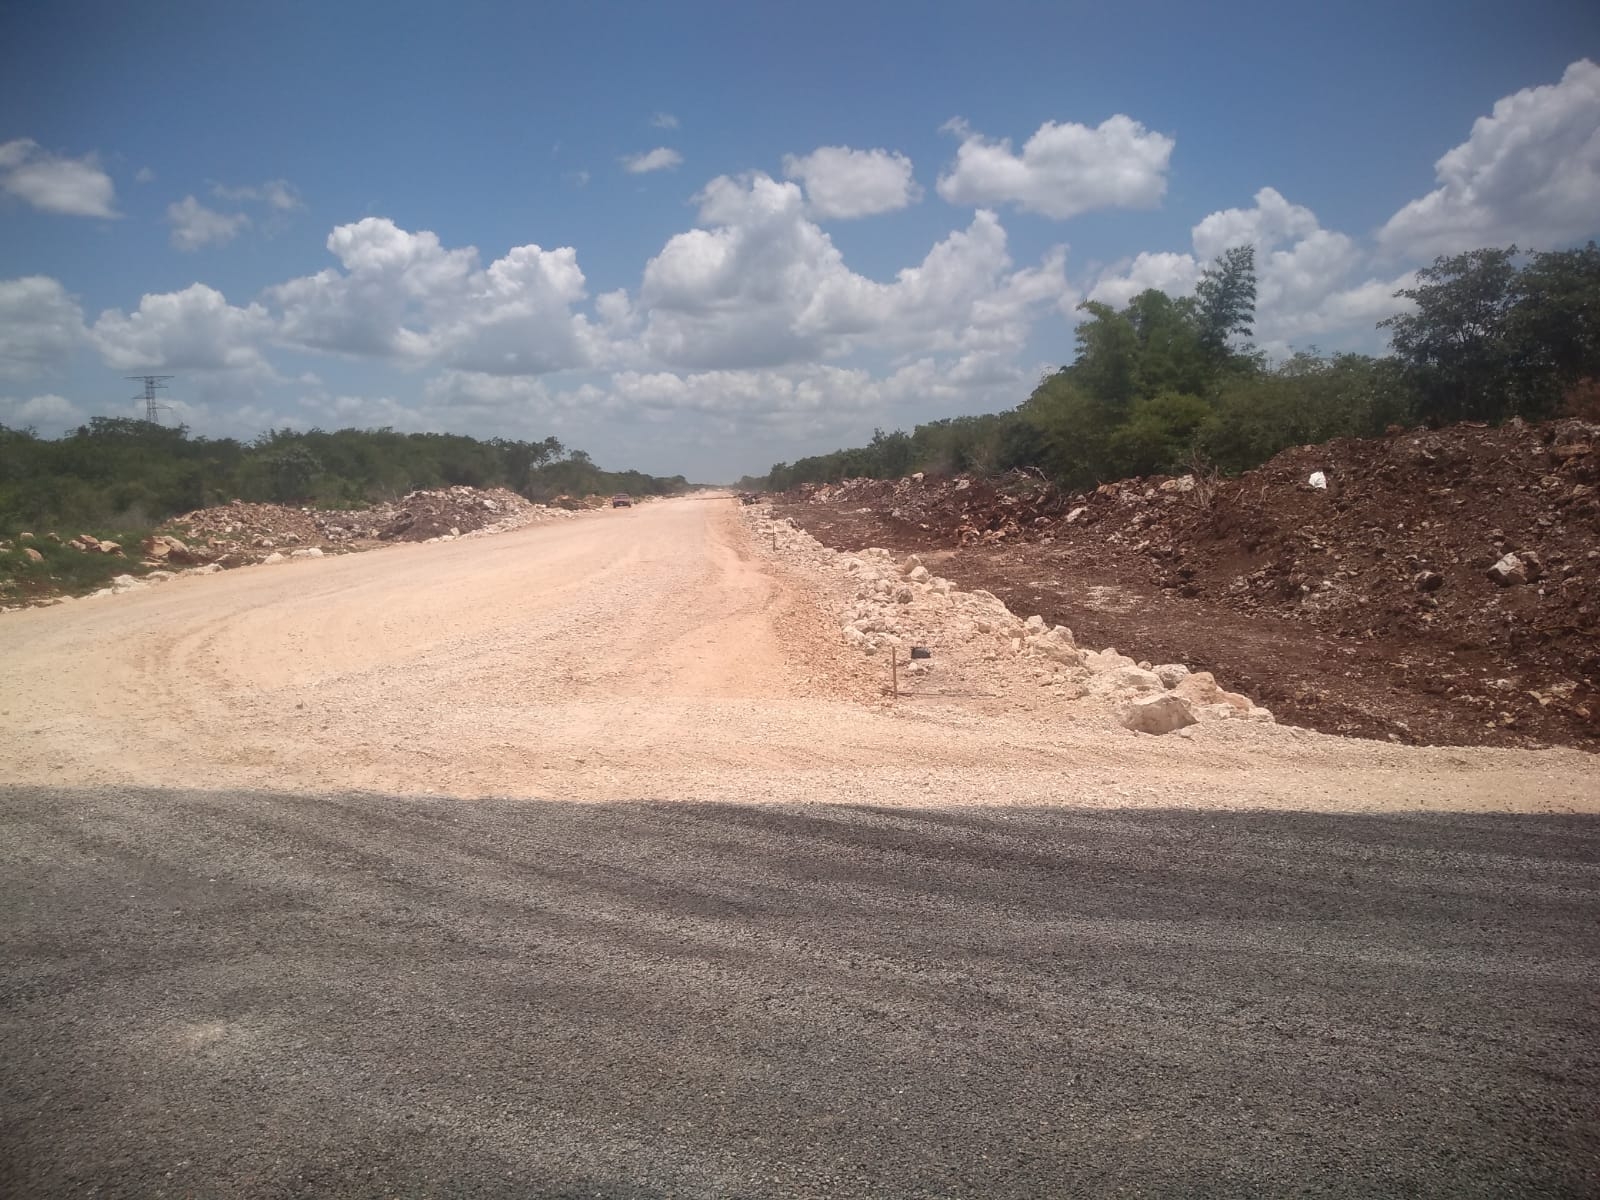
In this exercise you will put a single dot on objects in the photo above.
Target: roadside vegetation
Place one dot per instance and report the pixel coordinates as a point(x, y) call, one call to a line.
point(119, 478)
point(1166, 384)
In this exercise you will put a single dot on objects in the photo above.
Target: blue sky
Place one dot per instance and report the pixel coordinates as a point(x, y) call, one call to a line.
point(703, 238)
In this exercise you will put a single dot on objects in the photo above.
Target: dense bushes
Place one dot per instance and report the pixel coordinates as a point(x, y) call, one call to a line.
point(115, 472)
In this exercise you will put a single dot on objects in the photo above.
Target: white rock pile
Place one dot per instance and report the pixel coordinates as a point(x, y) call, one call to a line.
point(889, 604)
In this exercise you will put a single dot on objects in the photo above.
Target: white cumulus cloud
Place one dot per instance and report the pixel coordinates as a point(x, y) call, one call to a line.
point(1529, 173)
point(1064, 168)
point(841, 183)
point(662, 158)
point(403, 296)
point(194, 225)
point(74, 187)
point(193, 329)
point(40, 326)
point(759, 284)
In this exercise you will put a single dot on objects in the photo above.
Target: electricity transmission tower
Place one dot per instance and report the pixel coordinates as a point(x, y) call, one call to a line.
point(152, 384)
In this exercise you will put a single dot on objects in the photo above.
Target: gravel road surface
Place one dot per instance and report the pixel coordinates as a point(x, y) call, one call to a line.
point(586, 861)
point(250, 994)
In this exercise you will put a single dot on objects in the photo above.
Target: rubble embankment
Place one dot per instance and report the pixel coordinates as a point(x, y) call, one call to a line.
point(1431, 586)
point(947, 641)
point(241, 534)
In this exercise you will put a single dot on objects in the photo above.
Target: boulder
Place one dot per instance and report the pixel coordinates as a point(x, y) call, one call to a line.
point(1171, 674)
point(1427, 581)
point(1057, 645)
point(310, 552)
point(912, 563)
point(33, 555)
point(1103, 662)
point(1136, 678)
point(1158, 714)
point(1198, 687)
point(919, 574)
point(1509, 571)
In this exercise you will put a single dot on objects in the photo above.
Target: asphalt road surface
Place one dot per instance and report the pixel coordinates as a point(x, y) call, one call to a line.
point(259, 994)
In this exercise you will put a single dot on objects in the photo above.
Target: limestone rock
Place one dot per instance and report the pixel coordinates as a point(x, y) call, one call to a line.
point(1135, 677)
point(1198, 687)
point(33, 555)
point(1103, 662)
point(1171, 674)
point(1158, 714)
point(1509, 571)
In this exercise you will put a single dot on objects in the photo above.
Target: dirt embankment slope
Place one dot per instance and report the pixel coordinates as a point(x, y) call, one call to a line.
point(1369, 606)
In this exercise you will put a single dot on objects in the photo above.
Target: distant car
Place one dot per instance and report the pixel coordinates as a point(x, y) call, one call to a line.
point(622, 500)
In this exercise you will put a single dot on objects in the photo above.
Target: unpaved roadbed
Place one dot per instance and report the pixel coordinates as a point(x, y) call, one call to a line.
point(643, 653)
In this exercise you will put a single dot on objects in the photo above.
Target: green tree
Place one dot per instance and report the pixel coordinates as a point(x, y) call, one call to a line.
point(1157, 437)
point(1553, 328)
point(1225, 300)
point(292, 471)
point(1456, 342)
point(1107, 367)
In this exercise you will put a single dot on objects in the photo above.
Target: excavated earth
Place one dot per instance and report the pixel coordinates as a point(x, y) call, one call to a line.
point(1365, 607)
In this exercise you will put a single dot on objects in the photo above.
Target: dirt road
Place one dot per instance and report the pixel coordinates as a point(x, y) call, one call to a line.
point(718, 921)
point(643, 653)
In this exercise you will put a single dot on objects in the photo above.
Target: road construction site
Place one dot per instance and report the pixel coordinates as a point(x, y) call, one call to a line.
point(634, 854)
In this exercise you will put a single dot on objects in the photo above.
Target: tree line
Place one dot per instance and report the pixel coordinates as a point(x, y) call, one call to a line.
point(1162, 384)
point(118, 471)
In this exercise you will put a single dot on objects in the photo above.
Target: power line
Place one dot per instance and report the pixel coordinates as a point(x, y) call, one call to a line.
point(152, 384)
